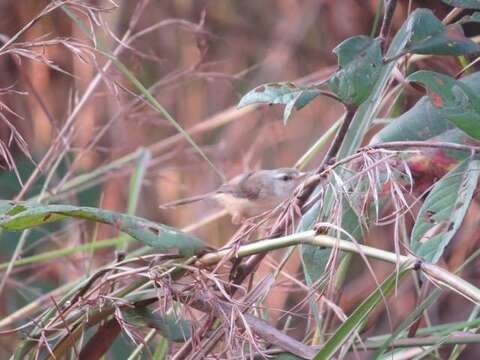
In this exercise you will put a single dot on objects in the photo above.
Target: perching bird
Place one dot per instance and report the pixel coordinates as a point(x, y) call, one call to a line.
point(251, 193)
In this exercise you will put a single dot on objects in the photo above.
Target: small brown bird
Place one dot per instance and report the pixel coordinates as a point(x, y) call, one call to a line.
point(251, 193)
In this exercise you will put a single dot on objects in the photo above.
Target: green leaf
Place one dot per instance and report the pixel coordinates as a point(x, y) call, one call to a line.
point(427, 35)
point(8, 207)
point(287, 93)
point(424, 121)
point(475, 17)
point(452, 98)
point(156, 235)
point(356, 320)
point(360, 65)
point(315, 258)
point(161, 350)
point(178, 330)
point(443, 211)
point(467, 4)
point(286, 356)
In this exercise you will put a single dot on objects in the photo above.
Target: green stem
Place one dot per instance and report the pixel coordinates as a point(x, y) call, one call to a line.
point(313, 150)
point(426, 341)
point(141, 346)
point(55, 254)
point(83, 179)
point(376, 20)
point(136, 182)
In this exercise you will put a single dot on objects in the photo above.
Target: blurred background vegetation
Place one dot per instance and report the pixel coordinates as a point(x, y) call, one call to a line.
point(198, 57)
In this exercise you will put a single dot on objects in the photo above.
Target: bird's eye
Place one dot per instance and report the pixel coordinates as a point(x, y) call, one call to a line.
point(285, 177)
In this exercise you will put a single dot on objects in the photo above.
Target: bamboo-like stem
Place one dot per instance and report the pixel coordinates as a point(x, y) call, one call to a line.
point(437, 274)
point(306, 237)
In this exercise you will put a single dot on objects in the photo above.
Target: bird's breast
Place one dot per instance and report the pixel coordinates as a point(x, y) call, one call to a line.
point(244, 206)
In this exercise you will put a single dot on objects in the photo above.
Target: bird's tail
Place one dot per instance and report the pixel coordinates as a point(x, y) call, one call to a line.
point(186, 201)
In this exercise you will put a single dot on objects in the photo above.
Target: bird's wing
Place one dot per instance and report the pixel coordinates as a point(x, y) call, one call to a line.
point(250, 188)
point(240, 187)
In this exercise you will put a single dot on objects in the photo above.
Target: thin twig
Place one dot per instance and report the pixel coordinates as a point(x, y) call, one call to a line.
point(262, 328)
point(70, 120)
point(387, 21)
